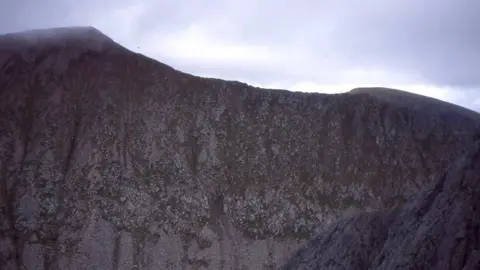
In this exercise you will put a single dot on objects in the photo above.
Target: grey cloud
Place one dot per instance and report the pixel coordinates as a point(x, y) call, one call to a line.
point(439, 39)
point(170, 16)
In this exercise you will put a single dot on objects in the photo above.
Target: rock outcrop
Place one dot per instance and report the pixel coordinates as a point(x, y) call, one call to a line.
point(112, 160)
point(439, 229)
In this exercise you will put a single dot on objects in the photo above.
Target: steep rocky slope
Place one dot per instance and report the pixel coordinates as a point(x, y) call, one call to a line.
point(439, 229)
point(111, 160)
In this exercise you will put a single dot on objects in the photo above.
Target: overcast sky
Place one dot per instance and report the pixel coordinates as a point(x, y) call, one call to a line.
point(431, 47)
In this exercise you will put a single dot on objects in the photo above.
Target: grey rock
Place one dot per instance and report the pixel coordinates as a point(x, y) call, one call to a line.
point(116, 161)
point(439, 229)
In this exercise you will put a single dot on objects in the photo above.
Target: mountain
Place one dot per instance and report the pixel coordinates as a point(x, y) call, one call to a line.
point(112, 160)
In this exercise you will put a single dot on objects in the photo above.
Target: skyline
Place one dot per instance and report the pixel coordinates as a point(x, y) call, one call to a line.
point(425, 47)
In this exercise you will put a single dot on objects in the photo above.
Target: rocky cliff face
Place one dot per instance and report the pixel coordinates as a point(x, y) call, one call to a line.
point(111, 160)
point(439, 229)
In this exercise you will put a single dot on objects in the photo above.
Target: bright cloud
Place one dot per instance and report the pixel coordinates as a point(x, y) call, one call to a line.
point(194, 44)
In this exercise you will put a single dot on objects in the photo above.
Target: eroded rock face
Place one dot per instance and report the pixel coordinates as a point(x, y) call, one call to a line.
point(439, 229)
point(112, 160)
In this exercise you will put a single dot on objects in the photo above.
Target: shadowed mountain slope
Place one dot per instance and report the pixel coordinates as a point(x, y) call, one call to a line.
point(112, 160)
point(439, 229)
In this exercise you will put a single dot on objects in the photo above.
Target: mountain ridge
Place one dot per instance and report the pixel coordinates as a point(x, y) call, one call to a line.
point(91, 36)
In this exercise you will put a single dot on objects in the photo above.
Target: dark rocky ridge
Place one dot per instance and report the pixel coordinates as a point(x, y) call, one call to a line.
point(439, 229)
point(112, 160)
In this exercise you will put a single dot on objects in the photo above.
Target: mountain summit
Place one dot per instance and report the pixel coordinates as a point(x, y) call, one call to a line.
point(112, 160)
point(86, 36)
